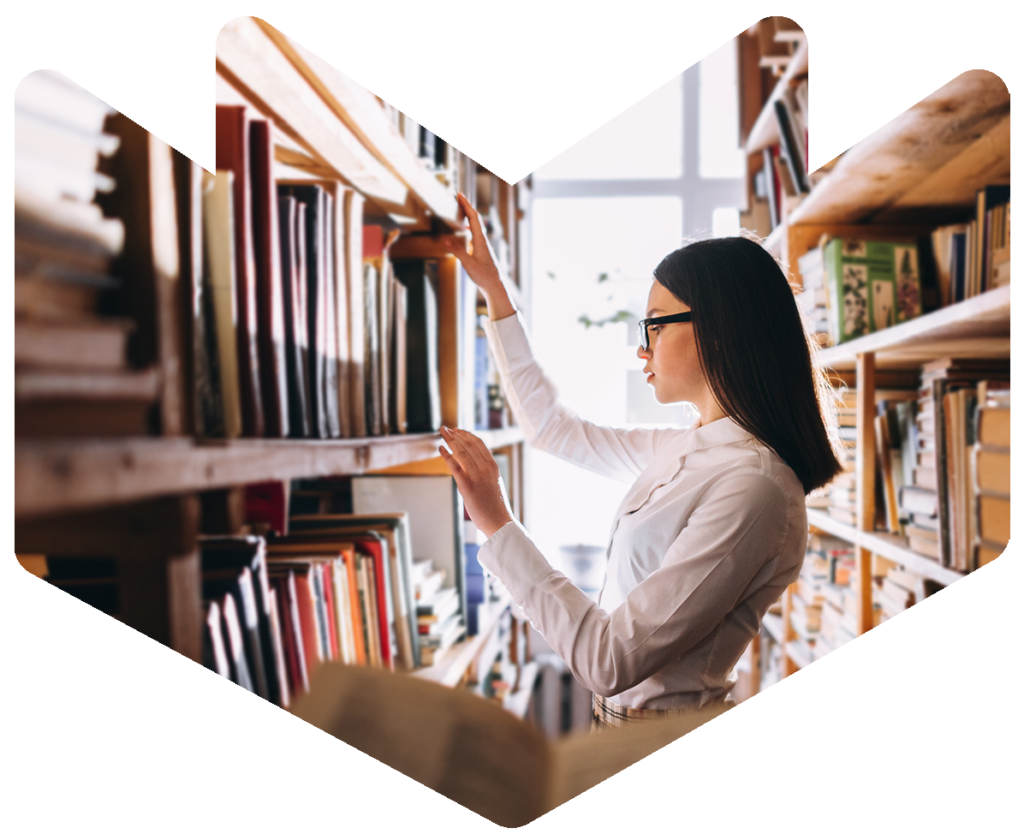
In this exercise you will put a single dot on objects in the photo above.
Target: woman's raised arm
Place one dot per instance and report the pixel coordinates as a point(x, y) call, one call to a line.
point(547, 425)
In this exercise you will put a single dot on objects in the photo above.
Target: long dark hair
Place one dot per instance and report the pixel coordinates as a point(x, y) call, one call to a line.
point(756, 353)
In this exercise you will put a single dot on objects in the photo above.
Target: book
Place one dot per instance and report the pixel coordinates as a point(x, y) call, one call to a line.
point(269, 286)
point(994, 517)
point(356, 326)
point(423, 400)
point(222, 290)
point(991, 468)
point(872, 285)
point(56, 403)
point(792, 145)
point(296, 328)
point(97, 344)
point(233, 154)
point(994, 425)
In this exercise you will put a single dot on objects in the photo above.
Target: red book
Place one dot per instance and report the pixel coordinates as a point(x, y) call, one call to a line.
point(233, 155)
point(267, 502)
point(306, 599)
point(291, 631)
point(269, 286)
point(373, 241)
point(376, 551)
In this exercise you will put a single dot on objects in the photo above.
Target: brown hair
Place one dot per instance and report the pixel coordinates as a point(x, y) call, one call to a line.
point(756, 353)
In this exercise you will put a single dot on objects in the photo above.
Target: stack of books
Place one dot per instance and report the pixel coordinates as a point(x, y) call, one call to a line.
point(990, 474)
point(813, 300)
point(822, 588)
point(940, 501)
point(440, 624)
point(72, 375)
point(896, 589)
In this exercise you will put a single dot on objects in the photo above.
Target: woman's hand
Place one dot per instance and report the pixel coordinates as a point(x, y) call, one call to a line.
point(477, 476)
point(481, 265)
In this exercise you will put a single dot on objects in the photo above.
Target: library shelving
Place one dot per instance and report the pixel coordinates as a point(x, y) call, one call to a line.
point(147, 497)
point(922, 170)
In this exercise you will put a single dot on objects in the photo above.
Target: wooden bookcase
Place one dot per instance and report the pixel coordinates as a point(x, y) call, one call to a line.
point(145, 500)
point(912, 175)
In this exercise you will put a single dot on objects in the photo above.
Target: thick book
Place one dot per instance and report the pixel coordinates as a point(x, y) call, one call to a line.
point(282, 583)
point(95, 344)
point(233, 154)
point(233, 633)
point(792, 150)
point(871, 286)
point(240, 585)
point(269, 287)
point(51, 403)
point(222, 292)
point(423, 395)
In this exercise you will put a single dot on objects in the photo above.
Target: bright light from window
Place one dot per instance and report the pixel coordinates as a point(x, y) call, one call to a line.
point(725, 221)
point(720, 153)
point(645, 141)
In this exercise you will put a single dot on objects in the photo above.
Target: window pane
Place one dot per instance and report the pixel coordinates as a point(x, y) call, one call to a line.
point(645, 141)
point(720, 153)
point(575, 242)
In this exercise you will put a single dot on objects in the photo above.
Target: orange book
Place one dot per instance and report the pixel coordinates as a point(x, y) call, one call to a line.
point(349, 555)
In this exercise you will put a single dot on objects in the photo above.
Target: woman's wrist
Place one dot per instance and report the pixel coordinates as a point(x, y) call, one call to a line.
point(499, 304)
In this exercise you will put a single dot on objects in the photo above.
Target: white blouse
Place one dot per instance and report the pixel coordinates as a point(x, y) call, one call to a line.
point(709, 535)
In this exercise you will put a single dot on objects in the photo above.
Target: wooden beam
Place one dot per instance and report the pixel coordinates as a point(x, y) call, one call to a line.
point(255, 67)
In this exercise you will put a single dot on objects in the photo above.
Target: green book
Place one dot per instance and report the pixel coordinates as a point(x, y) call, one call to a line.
point(871, 286)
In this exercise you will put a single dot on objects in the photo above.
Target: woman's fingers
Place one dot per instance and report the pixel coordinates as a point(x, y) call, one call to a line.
point(474, 222)
point(466, 456)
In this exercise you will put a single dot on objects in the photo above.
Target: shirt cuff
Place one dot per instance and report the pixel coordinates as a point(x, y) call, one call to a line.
point(511, 555)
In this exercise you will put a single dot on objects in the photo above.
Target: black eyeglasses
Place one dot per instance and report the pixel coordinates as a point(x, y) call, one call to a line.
point(641, 327)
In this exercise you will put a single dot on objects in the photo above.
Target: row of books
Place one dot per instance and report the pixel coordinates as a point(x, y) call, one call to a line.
point(318, 333)
point(973, 257)
point(853, 287)
point(72, 368)
point(958, 503)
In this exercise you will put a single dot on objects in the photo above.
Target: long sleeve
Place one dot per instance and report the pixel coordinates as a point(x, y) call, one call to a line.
point(617, 453)
point(732, 544)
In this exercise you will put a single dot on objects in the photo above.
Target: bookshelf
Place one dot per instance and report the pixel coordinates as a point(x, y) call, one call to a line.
point(147, 498)
point(919, 172)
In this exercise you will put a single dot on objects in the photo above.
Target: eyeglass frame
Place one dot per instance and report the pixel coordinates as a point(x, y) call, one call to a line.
point(644, 323)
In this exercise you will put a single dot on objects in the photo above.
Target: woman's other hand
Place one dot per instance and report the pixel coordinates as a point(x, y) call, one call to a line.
point(481, 265)
point(476, 473)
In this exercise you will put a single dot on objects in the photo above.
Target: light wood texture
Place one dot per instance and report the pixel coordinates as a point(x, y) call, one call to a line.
point(360, 111)
point(881, 169)
point(977, 327)
point(887, 545)
point(257, 69)
point(448, 338)
point(55, 476)
point(865, 483)
point(766, 130)
point(789, 665)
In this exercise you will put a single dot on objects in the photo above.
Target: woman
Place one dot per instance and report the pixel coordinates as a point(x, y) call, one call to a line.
point(714, 527)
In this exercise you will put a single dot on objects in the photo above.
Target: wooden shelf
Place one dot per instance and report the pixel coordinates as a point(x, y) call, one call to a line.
point(64, 475)
point(332, 121)
point(765, 131)
point(976, 327)
point(454, 663)
point(774, 625)
point(890, 546)
point(928, 160)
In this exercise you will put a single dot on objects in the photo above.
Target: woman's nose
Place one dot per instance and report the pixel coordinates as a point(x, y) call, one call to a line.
point(641, 353)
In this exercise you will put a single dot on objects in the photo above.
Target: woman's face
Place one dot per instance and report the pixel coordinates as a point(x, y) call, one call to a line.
point(671, 362)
